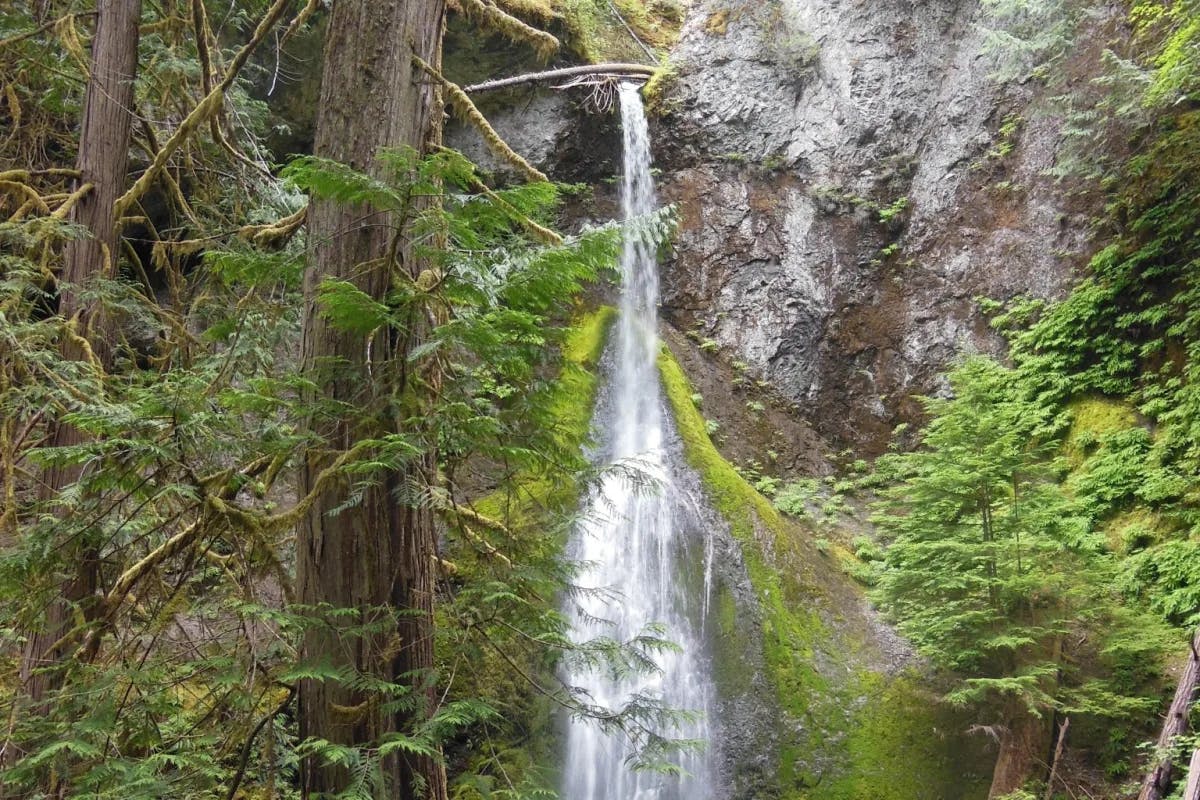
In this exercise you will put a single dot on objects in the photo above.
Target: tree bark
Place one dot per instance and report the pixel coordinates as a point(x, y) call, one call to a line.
point(1158, 781)
point(103, 157)
point(1021, 745)
point(1192, 790)
point(376, 555)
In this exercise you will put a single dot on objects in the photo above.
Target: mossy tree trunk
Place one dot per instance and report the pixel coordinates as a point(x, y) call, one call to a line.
point(1023, 744)
point(102, 161)
point(376, 554)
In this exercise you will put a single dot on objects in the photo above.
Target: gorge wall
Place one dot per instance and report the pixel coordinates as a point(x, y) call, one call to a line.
point(850, 179)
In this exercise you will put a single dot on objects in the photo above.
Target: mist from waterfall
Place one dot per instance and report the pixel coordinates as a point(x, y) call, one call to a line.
point(638, 540)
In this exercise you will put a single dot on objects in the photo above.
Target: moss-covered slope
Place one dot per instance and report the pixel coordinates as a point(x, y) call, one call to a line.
point(854, 720)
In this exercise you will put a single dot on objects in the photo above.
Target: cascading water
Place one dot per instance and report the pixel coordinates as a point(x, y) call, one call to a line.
point(637, 541)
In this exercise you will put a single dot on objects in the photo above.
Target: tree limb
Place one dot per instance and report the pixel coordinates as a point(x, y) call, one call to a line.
point(631, 71)
point(207, 108)
point(459, 101)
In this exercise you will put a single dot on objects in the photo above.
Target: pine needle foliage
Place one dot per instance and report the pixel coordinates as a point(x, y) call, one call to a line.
point(1130, 331)
point(993, 570)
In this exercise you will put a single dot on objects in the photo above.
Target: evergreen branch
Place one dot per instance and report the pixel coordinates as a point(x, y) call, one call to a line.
point(537, 231)
point(54, 23)
point(245, 756)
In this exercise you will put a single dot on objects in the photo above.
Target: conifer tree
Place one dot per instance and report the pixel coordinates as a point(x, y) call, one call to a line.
point(984, 553)
point(374, 553)
point(103, 154)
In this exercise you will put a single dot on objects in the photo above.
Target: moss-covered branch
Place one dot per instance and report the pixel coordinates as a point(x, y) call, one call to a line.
point(466, 109)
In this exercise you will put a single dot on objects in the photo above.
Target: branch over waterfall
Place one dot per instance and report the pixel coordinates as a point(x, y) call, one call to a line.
point(631, 71)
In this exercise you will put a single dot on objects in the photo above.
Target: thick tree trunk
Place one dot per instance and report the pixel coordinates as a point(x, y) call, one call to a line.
point(103, 156)
point(1022, 745)
point(1158, 779)
point(377, 555)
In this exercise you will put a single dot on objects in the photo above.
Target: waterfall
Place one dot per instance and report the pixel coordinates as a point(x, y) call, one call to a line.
point(637, 541)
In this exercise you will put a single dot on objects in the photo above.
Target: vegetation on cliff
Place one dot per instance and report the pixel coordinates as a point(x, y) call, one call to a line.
point(288, 454)
point(843, 722)
point(1084, 450)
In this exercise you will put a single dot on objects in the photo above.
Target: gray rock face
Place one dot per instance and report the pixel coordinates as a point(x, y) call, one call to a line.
point(847, 190)
point(550, 130)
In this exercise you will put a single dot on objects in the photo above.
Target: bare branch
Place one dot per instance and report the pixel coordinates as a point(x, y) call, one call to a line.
point(630, 71)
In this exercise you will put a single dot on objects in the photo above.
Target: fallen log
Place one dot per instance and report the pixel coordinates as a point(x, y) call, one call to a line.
point(1158, 780)
point(607, 70)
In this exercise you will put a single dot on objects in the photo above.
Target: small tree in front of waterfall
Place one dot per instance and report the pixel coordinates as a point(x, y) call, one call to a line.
point(991, 565)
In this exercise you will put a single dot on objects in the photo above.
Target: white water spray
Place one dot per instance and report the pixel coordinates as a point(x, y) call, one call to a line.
point(634, 540)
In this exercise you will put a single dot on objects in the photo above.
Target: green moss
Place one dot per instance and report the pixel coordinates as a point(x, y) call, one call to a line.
point(595, 35)
point(789, 627)
point(901, 745)
point(1092, 418)
point(1135, 529)
point(846, 732)
point(660, 83)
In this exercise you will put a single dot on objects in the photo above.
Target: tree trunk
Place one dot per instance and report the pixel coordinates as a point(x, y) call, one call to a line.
point(1192, 790)
point(103, 156)
point(376, 555)
point(1021, 746)
point(1158, 780)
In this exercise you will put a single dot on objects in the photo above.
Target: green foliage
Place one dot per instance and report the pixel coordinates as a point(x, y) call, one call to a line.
point(991, 564)
point(1127, 334)
point(1027, 37)
point(862, 751)
point(796, 497)
point(891, 212)
point(179, 471)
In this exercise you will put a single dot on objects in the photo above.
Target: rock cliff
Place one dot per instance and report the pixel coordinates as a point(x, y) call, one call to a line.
point(850, 179)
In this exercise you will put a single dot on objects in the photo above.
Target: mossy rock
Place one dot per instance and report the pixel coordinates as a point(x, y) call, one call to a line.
point(849, 720)
point(1091, 419)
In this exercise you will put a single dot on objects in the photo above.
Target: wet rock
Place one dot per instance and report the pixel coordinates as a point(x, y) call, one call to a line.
point(843, 202)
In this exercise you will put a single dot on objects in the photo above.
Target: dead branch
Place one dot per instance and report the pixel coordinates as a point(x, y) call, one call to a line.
point(629, 71)
point(1158, 780)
